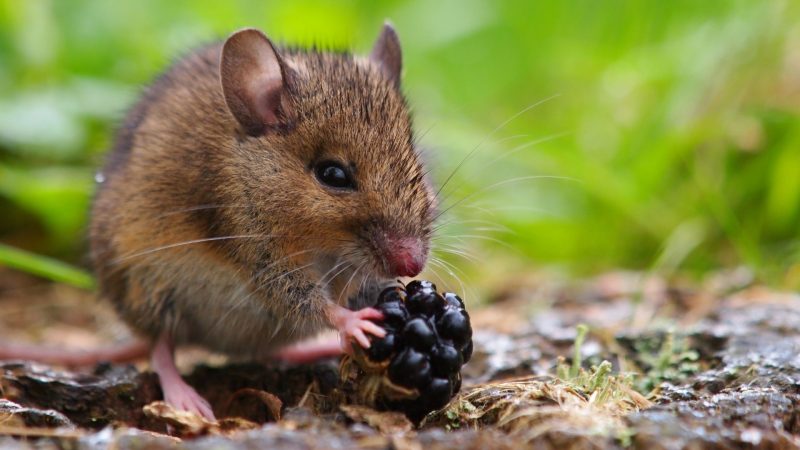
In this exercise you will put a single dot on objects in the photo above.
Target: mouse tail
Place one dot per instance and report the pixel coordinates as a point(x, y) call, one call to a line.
point(124, 352)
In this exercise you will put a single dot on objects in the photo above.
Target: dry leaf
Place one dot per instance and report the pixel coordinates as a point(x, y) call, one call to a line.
point(188, 424)
point(389, 422)
point(272, 402)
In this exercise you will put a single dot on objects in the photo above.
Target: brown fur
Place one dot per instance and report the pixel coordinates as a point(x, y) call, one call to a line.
point(184, 170)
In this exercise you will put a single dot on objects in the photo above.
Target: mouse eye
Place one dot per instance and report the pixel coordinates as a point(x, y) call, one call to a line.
point(333, 174)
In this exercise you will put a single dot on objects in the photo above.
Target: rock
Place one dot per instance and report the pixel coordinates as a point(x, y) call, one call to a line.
point(14, 414)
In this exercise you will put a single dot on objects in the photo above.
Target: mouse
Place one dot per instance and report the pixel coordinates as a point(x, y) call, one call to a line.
point(252, 192)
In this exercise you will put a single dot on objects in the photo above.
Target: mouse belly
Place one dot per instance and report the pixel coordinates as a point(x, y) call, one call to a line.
point(224, 325)
point(214, 306)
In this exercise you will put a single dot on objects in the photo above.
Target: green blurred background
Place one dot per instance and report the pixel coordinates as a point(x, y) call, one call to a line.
point(656, 135)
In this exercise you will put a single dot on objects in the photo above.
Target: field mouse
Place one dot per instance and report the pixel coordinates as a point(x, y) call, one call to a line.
point(251, 191)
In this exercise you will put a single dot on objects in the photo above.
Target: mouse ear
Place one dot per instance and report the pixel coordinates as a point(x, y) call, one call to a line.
point(387, 55)
point(253, 80)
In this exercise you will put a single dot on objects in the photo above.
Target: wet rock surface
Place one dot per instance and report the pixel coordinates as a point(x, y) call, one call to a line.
point(32, 417)
point(720, 367)
point(749, 399)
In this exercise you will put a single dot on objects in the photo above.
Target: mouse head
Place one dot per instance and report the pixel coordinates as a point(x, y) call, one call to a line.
point(327, 149)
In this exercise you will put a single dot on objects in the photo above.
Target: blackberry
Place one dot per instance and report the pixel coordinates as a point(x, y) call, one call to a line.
point(395, 315)
point(382, 348)
point(454, 324)
point(429, 338)
point(411, 369)
point(418, 334)
point(445, 360)
point(453, 300)
point(393, 295)
point(416, 286)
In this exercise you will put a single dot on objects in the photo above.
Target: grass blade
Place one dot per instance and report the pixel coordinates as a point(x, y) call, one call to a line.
point(44, 266)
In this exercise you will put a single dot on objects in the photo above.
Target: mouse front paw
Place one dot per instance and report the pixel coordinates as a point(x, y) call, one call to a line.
point(355, 325)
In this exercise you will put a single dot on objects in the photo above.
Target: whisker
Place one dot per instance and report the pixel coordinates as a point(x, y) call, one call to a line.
point(323, 282)
point(460, 253)
point(190, 242)
point(265, 283)
point(494, 226)
point(347, 285)
point(496, 142)
point(439, 280)
point(345, 265)
point(212, 239)
point(197, 208)
point(479, 207)
point(244, 299)
point(440, 263)
point(466, 221)
point(503, 183)
point(485, 238)
point(365, 280)
point(526, 145)
point(465, 290)
point(498, 128)
point(443, 238)
point(418, 137)
point(494, 209)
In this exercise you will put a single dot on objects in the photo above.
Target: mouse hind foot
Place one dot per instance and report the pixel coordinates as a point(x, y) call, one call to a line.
point(176, 391)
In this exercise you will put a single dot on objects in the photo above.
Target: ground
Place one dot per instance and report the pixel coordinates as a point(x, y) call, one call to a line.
point(623, 360)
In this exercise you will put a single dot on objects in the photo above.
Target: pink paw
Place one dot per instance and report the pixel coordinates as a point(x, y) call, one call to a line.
point(182, 396)
point(354, 325)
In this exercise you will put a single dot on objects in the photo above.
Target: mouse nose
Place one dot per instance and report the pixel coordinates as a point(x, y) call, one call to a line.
point(405, 257)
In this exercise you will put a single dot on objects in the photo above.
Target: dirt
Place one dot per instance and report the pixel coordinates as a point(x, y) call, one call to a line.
point(666, 364)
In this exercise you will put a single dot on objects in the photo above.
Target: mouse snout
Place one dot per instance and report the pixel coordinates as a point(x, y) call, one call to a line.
point(405, 257)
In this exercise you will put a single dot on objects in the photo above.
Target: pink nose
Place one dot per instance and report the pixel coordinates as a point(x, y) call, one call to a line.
point(405, 257)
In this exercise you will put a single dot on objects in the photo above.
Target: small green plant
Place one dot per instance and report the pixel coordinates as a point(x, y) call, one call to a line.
point(453, 421)
point(596, 399)
point(460, 411)
point(599, 382)
point(674, 360)
point(568, 372)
